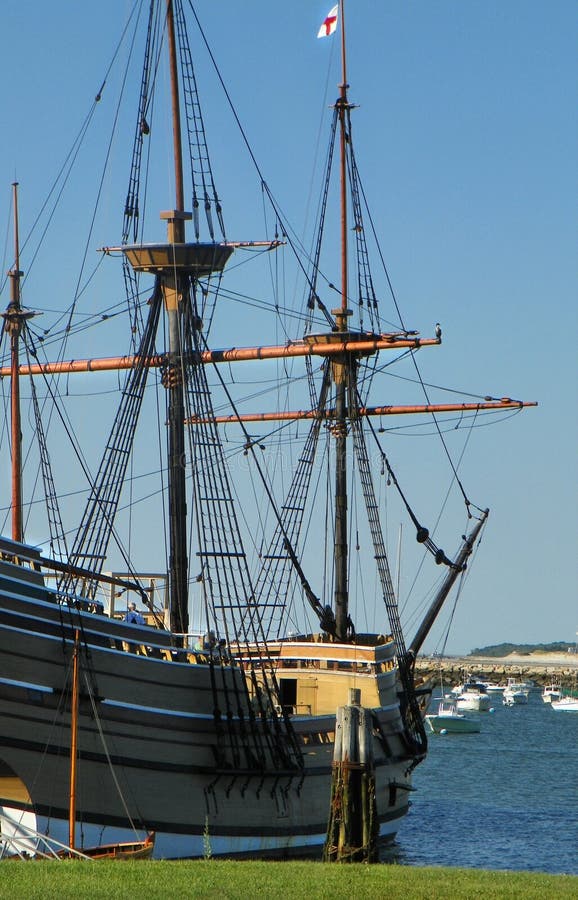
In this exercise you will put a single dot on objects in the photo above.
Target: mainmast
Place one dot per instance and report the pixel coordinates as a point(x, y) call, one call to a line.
point(343, 375)
point(173, 290)
point(177, 266)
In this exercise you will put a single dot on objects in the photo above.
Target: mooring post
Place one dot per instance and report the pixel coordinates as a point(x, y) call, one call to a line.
point(353, 827)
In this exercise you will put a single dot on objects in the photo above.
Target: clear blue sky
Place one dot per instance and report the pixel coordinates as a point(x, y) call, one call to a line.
point(466, 137)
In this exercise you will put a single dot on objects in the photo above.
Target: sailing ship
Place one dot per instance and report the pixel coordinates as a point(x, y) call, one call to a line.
point(210, 719)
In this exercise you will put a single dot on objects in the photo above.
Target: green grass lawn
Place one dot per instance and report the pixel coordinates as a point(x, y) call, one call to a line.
point(222, 880)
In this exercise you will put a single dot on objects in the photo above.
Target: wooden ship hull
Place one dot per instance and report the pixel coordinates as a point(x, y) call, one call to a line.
point(151, 749)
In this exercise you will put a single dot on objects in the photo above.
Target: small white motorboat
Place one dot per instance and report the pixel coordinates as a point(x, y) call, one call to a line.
point(474, 697)
point(469, 682)
point(449, 719)
point(565, 704)
point(492, 687)
point(551, 692)
point(515, 693)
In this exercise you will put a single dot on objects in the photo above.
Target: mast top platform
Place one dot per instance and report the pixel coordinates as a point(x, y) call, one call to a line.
point(197, 259)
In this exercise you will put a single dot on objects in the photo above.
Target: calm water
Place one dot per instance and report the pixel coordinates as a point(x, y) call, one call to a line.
point(506, 798)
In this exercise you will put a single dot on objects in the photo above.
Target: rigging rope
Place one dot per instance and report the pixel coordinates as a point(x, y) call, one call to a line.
point(226, 580)
point(94, 532)
point(272, 586)
point(413, 718)
point(58, 546)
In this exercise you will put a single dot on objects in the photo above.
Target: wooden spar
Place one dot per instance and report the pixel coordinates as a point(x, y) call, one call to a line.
point(297, 415)
point(179, 235)
point(73, 744)
point(68, 569)
point(453, 574)
point(231, 354)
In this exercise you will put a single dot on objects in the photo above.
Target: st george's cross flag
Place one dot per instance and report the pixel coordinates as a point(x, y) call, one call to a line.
point(329, 23)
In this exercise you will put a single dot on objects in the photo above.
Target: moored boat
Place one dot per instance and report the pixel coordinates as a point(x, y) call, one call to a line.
point(470, 681)
point(449, 719)
point(125, 850)
point(551, 692)
point(475, 698)
point(565, 704)
point(471, 694)
point(515, 693)
point(493, 687)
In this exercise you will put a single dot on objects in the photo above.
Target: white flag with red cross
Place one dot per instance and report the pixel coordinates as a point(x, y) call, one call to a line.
point(329, 23)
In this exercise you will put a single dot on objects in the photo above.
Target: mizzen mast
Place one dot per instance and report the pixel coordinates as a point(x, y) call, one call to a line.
point(13, 325)
point(13, 320)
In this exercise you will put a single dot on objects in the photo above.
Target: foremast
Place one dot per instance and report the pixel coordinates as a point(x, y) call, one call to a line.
point(177, 266)
point(173, 290)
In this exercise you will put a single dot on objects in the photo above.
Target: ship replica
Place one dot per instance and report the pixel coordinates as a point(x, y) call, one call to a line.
point(213, 725)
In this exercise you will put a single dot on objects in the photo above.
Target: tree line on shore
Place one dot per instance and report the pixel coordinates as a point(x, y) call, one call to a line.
point(504, 649)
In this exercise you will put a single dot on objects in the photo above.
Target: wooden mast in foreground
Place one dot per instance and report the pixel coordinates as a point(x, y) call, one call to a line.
point(173, 288)
point(13, 318)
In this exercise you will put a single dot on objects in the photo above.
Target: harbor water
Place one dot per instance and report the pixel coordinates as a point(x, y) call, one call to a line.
point(506, 798)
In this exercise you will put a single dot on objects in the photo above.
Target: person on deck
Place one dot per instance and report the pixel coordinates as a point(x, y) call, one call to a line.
point(205, 643)
point(133, 616)
point(209, 641)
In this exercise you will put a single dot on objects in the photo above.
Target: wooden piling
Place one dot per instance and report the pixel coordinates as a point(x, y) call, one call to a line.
point(353, 830)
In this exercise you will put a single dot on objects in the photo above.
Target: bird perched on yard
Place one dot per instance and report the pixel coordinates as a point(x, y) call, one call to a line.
point(438, 331)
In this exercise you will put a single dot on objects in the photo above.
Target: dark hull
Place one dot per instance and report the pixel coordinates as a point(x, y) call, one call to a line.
point(152, 755)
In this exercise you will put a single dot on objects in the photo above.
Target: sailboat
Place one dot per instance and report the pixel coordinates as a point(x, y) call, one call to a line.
point(210, 717)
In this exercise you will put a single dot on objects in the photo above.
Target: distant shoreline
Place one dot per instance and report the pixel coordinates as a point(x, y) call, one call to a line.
point(566, 660)
point(540, 667)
